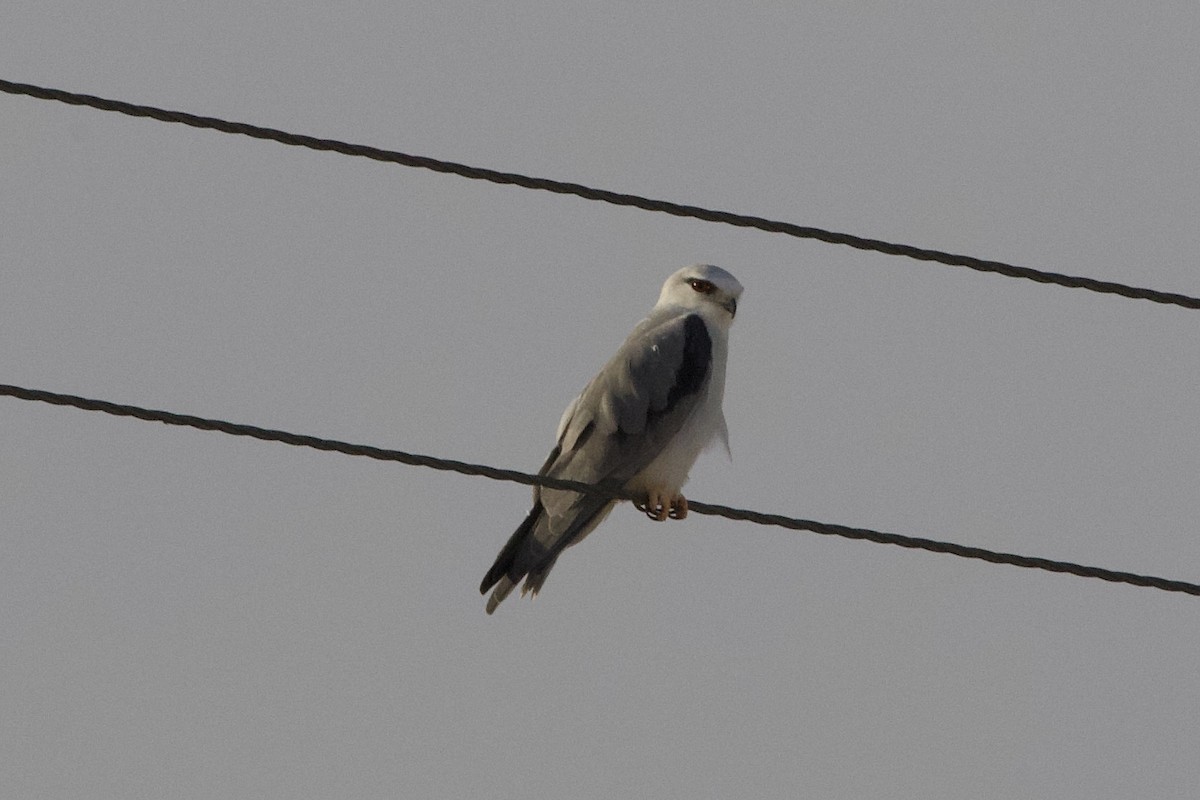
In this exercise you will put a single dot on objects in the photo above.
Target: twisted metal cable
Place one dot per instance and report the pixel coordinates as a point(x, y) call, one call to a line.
point(464, 468)
point(602, 195)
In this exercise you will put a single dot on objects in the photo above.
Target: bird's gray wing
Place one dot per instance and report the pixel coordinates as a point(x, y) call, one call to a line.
point(615, 428)
point(630, 410)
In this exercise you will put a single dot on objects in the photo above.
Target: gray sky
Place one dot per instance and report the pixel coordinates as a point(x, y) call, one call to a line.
point(191, 615)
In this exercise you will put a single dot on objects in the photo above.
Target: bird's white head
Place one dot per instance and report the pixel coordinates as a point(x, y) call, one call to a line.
point(704, 288)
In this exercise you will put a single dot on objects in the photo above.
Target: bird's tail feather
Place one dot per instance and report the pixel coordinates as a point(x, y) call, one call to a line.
point(524, 557)
point(503, 589)
point(536, 577)
point(508, 554)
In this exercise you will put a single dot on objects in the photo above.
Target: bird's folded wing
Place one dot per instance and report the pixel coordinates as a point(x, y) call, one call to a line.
point(630, 411)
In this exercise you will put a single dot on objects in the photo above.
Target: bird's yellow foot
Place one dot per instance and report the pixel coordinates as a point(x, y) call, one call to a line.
point(678, 507)
point(661, 504)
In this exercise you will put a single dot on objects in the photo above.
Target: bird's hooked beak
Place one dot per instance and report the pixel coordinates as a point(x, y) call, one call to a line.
point(731, 306)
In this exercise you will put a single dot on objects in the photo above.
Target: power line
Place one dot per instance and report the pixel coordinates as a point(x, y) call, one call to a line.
point(602, 195)
point(448, 465)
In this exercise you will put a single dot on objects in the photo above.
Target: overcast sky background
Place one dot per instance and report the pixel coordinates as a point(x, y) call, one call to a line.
point(187, 614)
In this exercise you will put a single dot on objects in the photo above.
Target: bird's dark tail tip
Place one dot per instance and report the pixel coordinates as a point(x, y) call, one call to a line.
point(498, 575)
point(503, 589)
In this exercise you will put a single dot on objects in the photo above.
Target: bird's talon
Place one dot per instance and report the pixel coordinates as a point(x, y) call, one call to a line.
point(679, 507)
point(659, 507)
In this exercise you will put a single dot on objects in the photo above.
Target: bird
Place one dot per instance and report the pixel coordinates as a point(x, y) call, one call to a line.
point(637, 426)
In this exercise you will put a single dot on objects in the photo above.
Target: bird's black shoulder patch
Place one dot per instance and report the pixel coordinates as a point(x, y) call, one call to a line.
point(696, 361)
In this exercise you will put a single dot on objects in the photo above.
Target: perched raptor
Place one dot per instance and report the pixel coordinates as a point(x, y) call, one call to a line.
point(639, 424)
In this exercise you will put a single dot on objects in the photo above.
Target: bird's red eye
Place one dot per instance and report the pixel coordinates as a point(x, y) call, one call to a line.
point(702, 286)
